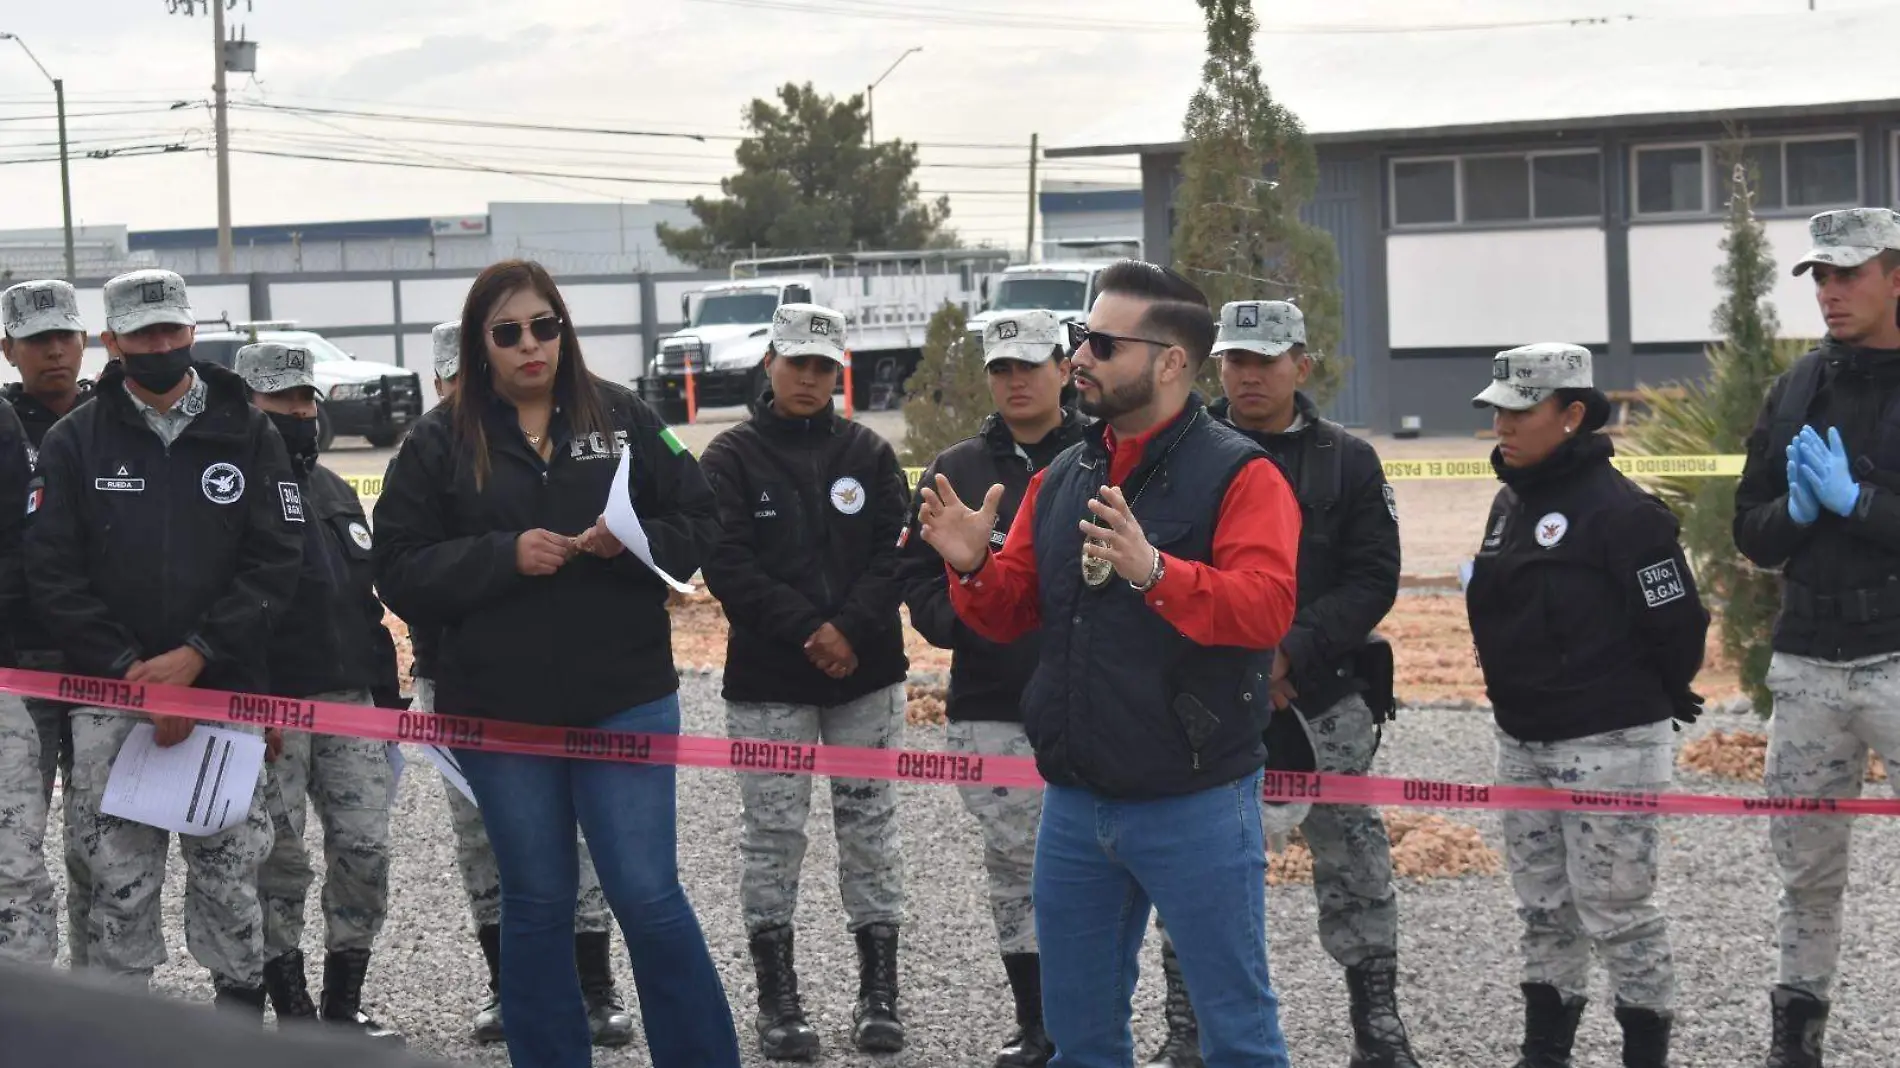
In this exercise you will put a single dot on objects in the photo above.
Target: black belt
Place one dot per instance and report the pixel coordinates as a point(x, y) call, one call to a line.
point(1853, 606)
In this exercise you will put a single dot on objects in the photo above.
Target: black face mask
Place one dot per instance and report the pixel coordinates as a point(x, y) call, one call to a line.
point(158, 372)
point(300, 439)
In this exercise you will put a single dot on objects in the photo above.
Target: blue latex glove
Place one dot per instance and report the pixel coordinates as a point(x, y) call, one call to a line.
point(1825, 468)
point(1802, 507)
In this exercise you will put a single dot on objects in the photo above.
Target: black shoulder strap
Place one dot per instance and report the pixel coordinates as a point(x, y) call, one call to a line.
point(1322, 471)
point(1797, 396)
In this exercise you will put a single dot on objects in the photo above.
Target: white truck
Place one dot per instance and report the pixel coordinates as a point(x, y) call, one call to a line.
point(887, 299)
point(1065, 287)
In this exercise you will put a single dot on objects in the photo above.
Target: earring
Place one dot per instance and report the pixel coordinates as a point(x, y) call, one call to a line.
point(1570, 430)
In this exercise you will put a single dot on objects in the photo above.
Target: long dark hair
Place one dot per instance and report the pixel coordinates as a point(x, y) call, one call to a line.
point(574, 389)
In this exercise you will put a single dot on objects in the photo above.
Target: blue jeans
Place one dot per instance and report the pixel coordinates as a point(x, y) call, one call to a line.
point(1202, 862)
point(529, 805)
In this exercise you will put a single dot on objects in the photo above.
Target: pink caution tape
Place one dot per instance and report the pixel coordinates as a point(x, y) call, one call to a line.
point(905, 765)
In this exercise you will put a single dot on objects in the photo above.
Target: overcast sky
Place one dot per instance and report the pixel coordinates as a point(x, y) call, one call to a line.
point(991, 75)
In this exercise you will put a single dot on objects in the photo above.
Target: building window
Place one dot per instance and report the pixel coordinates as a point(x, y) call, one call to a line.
point(1567, 186)
point(1791, 174)
point(1489, 189)
point(1425, 192)
point(1669, 180)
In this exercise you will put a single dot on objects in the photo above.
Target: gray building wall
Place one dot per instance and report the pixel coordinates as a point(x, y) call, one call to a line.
point(1436, 384)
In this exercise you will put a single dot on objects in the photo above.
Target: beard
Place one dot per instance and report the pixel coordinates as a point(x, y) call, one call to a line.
point(1108, 403)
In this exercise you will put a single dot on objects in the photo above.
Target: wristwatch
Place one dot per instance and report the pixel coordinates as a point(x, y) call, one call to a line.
point(1159, 569)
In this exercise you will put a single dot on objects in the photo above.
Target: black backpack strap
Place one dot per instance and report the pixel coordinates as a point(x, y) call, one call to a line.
point(1322, 471)
point(1797, 396)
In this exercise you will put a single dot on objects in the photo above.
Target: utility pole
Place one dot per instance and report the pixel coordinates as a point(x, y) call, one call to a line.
point(1035, 141)
point(224, 139)
point(870, 93)
point(65, 171)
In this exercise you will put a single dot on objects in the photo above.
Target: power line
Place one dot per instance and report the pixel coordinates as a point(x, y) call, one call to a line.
point(92, 114)
point(418, 165)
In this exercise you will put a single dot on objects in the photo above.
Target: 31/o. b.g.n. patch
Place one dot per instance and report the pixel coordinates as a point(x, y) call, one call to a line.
point(1661, 583)
point(292, 498)
point(1391, 502)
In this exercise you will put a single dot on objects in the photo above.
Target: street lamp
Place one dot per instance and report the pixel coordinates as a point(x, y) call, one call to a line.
point(65, 174)
point(870, 109)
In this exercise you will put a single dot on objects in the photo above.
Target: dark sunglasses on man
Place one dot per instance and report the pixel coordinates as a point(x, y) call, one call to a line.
point(1103, 345)
point(544, 328)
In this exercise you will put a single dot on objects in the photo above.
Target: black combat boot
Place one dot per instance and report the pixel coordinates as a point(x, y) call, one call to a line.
point(1378, 1035)
point(1800, 1021)
point(1550, 1026)
point(1183, 1046)
point(343, 973)
point(1645, 1036)
point(784, 1033)
point(1030, 1047)
point(240, 1001)
point(488, 1030)
point(289, 990)
point(875, 1026)
point(609, 1020)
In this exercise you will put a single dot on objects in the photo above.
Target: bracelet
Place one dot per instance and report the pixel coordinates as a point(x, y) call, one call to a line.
point(1154, 573)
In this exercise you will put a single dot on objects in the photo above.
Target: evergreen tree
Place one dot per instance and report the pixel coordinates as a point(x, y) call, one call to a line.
point(1248, 169)
point(948, 394)
point(1715, 417)
point(808, 181)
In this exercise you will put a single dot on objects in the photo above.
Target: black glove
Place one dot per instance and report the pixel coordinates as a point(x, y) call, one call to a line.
point(1688, 706)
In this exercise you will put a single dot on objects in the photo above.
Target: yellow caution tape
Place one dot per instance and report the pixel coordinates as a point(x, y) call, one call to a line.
point(1467, 469)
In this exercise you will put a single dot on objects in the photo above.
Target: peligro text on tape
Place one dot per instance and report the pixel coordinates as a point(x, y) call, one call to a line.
point(801, 758)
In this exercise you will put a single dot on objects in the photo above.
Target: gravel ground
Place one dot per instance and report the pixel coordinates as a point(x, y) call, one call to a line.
point(1459, 937)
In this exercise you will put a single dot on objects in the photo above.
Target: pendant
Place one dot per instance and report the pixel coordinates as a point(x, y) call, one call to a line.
point(1095, 570)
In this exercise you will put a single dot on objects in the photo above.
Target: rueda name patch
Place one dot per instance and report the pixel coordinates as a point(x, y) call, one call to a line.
point(1662, 583)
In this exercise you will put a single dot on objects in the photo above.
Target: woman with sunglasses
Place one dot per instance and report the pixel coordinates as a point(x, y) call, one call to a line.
point(489, 530)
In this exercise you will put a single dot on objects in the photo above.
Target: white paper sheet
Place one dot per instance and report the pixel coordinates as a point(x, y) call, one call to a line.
point(444, 761)
point(625, 525)
point(200, 786)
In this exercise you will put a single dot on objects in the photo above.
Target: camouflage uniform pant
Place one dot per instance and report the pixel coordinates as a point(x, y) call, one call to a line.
point(1826, 717)
point(54, 720)
point(29, 927)
point(1352, 854)
point(1008, 817)
point(1587, 878)
point(347, 780)
point(863, 812)
point(481, 878)
point(224, 926)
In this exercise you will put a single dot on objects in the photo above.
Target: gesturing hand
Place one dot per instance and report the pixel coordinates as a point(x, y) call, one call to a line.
point(1825, 468)
point(597, 540)
point(960, 536)
point(1121, 542)
point(542, 552)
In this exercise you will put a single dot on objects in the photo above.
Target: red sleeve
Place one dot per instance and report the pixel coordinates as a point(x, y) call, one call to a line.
point(1247, 597)
point(1001, 600)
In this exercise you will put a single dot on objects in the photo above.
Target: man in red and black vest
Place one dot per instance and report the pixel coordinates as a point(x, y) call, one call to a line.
point(1158, 560)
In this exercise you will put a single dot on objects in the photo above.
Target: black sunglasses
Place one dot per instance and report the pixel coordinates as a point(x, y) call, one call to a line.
point(1103, 345)
point(543, 327)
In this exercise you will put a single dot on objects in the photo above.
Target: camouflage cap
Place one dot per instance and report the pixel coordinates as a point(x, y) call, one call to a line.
point(272, 367)
point(1031, 337)
point(447, 338)
point(146, 298)
point(1268, 327)
point(1522, 377)
point(1850, 237)
point(40, 307)
point(808, 330)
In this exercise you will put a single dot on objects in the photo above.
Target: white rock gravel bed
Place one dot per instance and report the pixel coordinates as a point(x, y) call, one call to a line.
point(1459, 938)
